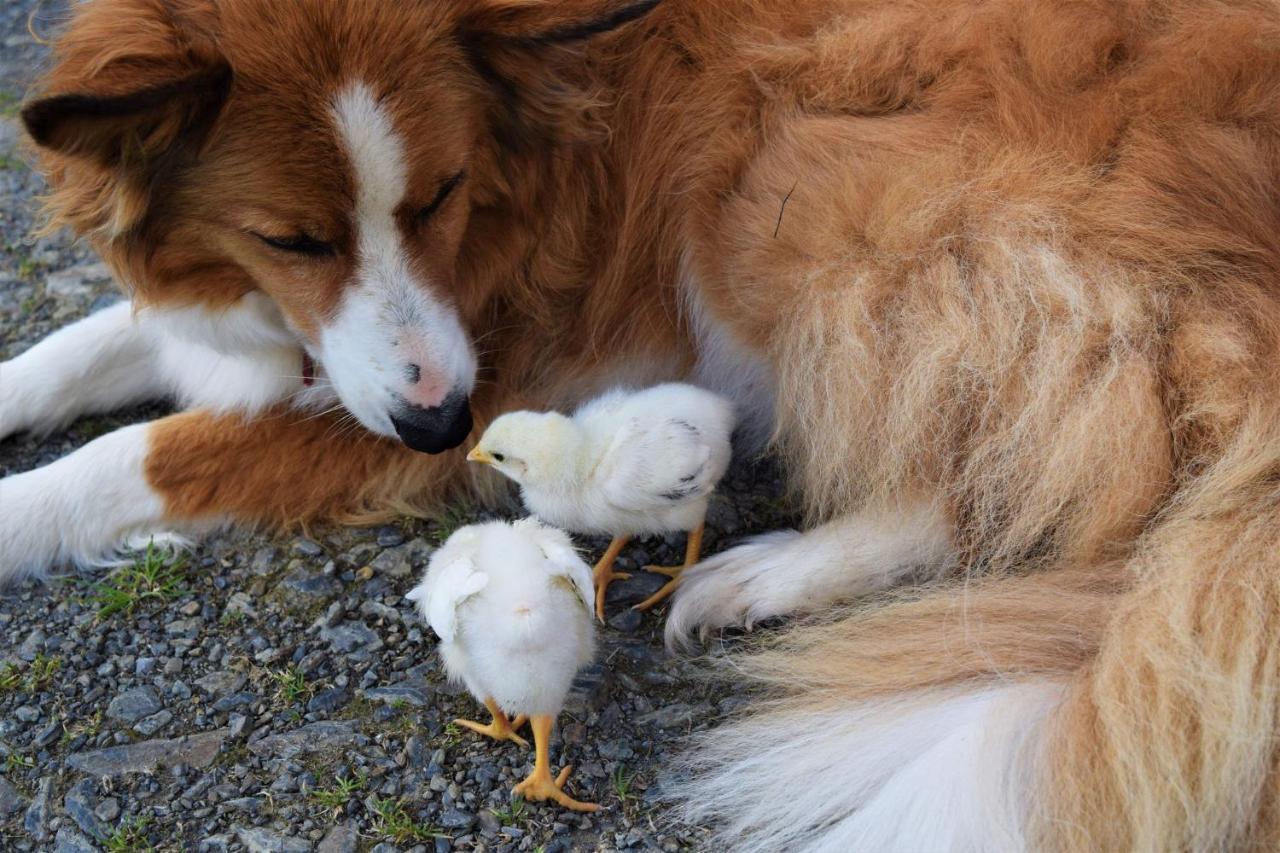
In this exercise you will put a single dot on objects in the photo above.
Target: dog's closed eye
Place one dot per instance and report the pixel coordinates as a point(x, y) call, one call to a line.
point(446, 189)
point(298, 244)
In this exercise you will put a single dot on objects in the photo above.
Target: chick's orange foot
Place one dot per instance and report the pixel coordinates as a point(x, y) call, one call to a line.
point(500, 728)
point(603, 574)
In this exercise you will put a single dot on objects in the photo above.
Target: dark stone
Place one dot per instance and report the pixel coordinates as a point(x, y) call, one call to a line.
point(133, 705)
point(328, 701)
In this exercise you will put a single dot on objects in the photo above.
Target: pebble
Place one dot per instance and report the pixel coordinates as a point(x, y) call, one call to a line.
point(70, 841)
point(221, 683)
point(349, 636)
point(108, 810)
point(307, 547)
point(411, 695)
point(11, 802)
point(150, 725)
point(309, 738)
point(342, 838)
point(328, 701)
point(263, 841)
point(79, 804)
point(36, 820)
point(133, 705)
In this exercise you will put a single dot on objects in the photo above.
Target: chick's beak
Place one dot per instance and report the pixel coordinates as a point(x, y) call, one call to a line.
point(478, 455)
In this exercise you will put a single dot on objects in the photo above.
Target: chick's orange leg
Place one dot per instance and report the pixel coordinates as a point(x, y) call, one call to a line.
point(501, 728)
point(604, 573)
point(692, 551)
point(540, 785)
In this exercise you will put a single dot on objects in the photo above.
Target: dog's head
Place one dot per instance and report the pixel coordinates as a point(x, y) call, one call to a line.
point(327, 153)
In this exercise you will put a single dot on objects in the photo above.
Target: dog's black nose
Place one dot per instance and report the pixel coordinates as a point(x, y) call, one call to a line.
point(434, 430)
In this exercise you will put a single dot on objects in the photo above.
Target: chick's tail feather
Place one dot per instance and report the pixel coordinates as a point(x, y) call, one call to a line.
point(1125, 706)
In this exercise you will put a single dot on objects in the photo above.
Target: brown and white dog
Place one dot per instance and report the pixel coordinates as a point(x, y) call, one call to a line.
point(1008, 272)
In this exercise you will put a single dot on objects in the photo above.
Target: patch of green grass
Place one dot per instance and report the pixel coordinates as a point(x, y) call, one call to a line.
point(35, 676)
point(514, 814)
point(16, 164)
point(452, 735)
point(291, 685)
point(448, 520)
point(10, 676)
point(10, 104)
point(14, 762)
point(621, 781)
point(156, 575)
point(30, 304)
point(338, 796)
point(129, 836)
point(27, 267)
point(393, 823)
point(87, 727)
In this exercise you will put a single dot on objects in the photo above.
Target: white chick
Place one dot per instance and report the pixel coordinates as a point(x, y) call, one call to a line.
point(511, 604)
point(627, 463)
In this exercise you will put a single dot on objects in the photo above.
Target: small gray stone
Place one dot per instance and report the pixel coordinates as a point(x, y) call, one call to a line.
point(311, 585)
point(221, 683)
point(133, 705)
point(627, 621)
point(70, 841)
point(308, 738)
point(262, 841)
point(389, 537)
point(307, 547)
point(215, 844)
point(11, 802)
point(150, 725)
point(393, 562)
point(108, 810)
point(240, 604)
point(455, 818)
point(328, 701)
point(26, 713)
point(349, 636)
point(263, 561)
point(341, 839)
point(235, 700)
point(144, 666)
point(197, 750)
point(79, 804)
point(49, 734)
point(36, 820)
point(398, 693)
point(32, 645)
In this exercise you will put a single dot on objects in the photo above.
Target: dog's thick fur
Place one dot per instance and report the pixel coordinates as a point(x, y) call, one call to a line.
point(1008, 271)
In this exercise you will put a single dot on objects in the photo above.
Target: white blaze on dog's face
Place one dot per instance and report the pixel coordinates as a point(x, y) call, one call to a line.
point(394, 347)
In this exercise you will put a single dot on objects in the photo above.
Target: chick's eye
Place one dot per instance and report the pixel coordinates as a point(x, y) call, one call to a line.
point(442, 194)
point(499, 457)
point(298, 244)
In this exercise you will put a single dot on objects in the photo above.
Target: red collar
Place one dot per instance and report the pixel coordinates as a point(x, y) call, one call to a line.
point(308, 369)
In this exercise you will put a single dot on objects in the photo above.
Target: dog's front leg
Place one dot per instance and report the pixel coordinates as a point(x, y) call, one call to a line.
point(101, 363)
point(193, 471)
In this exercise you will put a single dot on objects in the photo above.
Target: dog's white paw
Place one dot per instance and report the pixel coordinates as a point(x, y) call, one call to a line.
point(78, 509)
point(737, 587)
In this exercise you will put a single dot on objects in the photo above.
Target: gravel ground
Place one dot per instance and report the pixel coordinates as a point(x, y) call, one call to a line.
point(277, 693)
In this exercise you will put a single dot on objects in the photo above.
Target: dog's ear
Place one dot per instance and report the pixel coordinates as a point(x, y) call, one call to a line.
point(525, 51)
point(122, 98)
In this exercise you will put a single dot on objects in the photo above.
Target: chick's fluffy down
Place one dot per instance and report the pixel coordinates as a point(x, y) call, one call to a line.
point(509, 602)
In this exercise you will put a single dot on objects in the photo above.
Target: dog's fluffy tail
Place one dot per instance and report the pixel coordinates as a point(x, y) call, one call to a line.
point(1131, 706)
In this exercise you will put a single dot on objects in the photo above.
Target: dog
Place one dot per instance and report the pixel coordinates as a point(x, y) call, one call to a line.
point(1000, 279)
